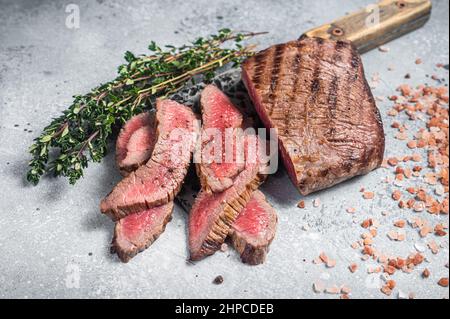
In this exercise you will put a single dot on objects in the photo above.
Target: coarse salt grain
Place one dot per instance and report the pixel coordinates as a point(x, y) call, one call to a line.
point(400, 223)
point(345, 290)
point(443, 282)
point(301, 204)
point(368, 195)
point(323, 257)
point(419, 206)
point(316, 202)
point(433, 247)
point(319, 287)
point(393, 235)
point(419, 247)
point(333, 290)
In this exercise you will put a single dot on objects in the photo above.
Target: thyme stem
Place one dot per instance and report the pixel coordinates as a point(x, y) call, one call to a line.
point(81, 133)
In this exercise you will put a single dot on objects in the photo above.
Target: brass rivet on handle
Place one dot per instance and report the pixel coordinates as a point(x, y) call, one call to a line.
point(401, 4)
point(338, 32)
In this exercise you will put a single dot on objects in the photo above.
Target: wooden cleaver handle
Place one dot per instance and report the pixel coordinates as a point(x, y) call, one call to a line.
point(377, 24)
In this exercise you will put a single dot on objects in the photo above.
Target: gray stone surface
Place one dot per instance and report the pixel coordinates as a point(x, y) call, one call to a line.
point(52, 232)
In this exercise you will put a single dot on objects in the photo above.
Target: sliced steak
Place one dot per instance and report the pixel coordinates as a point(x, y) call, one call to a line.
point(221, 126)
point(218, 111)
point(135, 142)
point(254, 229)
point(314, 92)
point(160, 179)
point(137, 232)
point(213, 213)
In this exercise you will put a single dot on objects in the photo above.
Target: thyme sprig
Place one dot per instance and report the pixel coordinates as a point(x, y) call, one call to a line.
point(80, 134)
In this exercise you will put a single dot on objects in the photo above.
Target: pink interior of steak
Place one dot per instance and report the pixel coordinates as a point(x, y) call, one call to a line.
point(209, 207)
point(140, 146)
point(217, 110)
point(206, 208)
point(227, 166)
point(254, 220)
point(136, 232)
point(219, 113)
point(158, 181)
point(254, 229)
point(154, 182)
point(134, 227)
point(136, 140)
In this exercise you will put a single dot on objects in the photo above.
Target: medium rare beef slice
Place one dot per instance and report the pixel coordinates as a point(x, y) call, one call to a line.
point(254, 229)
point(221, 156)
point(138, 231)
point(135, 142)
point(213, 213)
point(314, 92)
point(160, 179)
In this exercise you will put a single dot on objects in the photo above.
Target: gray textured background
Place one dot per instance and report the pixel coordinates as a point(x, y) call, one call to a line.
point(52, 231)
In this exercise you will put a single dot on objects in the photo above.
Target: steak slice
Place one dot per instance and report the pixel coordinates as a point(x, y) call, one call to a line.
point(221, 117)
point(314, 92)
point(213, 213)
point(137, 232)
point(135, 142)
point(254, 229)
point(160, 179)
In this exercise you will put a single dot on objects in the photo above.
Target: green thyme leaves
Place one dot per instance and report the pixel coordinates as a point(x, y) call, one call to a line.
point(80, 135)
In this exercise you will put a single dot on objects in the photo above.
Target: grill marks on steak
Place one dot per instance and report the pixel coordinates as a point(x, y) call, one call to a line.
point(135, 142)
point(138, 231)
point(254, 229)
point(160, 179)
point(213, 213)
point(315, 93)
point(221, 117)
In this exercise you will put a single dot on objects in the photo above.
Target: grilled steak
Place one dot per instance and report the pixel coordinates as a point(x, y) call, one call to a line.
point(314, 92)
point(160, 179)
point(213, 213)
point(254, 229)
point(221, 117)
point(137, 232)
point(135, 142)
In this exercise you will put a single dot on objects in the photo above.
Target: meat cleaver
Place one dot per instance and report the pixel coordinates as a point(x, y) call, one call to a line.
point(368, 28)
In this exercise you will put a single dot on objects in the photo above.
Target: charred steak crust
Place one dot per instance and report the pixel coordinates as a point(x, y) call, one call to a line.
point(213, 214)
point(135, 142)
point(253, 247)
point(230, 210)
point(314, 92)
point(160, 179)
point(149, 228)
